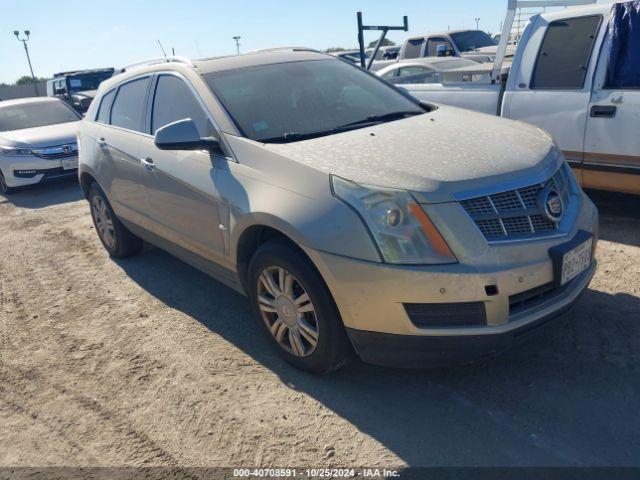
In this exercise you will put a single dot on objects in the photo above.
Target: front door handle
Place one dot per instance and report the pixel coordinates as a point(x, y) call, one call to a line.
point(148, 163)
point(603, 111)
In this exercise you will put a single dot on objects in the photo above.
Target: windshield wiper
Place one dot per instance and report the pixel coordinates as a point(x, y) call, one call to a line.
point(369, 121)
point(376, 119)
point(295, 136)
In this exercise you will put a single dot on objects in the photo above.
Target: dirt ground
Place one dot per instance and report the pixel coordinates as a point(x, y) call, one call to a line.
point(148, 362)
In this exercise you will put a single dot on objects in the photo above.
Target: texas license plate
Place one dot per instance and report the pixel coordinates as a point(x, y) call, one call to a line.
point(69, 163)
point(576, 261)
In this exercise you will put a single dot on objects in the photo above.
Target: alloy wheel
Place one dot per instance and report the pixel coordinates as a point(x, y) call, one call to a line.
point(287, 311)
point(104, 222)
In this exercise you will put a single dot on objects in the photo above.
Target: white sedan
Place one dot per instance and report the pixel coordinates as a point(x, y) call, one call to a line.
point(424, 70)
point(37, 142)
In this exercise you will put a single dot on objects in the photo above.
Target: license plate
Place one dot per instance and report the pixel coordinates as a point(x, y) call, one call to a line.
point(69, 163)
point(576, 261)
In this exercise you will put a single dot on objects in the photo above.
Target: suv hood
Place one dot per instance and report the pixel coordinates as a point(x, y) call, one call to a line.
point(47, 136)
point(445, 155)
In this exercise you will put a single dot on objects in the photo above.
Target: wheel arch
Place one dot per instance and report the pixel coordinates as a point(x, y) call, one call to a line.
point(254, 236)
point(86, 179)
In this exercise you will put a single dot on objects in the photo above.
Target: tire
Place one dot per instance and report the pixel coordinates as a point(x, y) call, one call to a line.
point(292, 322)
point(115, 237)
point(4, 188)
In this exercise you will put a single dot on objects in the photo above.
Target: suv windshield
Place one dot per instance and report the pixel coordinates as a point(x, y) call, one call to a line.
point(472, 40)
point(89, 81)
point(293, 101)
point(37, 114)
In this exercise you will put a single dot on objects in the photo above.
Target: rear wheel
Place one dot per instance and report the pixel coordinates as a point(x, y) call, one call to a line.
point(4, 188)
point(115, 237)
point(296, 309)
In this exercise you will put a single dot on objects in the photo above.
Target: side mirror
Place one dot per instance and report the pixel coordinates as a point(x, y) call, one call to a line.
point(183, 135)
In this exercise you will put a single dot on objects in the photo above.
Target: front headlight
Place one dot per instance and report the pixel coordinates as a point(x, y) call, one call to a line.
point(401, 229)
point(14, 151)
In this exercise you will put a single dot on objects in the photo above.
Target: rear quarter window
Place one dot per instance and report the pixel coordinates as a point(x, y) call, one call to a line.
point(565, 53)
point(413, 48)
point(104, 110)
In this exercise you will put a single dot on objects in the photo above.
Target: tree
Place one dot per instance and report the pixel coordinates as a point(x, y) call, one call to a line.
point(27, 80)
point(336, 49)
point(385, 43)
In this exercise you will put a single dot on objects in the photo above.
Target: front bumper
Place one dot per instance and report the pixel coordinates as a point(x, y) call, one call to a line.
point(419, 351)
point(512, 284)
point(19, 171)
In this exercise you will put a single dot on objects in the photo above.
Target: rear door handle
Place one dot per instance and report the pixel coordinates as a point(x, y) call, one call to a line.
point(603, 111)
point(102, 142)
point(147, 162)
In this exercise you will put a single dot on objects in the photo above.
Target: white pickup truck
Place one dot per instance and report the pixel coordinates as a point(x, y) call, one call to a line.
point(576, 74)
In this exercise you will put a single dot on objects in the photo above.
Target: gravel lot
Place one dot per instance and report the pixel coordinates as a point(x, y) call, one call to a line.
point(148, 362)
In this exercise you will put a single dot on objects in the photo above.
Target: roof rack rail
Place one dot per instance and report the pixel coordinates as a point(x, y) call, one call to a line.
point(156, 61)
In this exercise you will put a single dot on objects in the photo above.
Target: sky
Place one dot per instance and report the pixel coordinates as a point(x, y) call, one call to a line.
point(78, 34)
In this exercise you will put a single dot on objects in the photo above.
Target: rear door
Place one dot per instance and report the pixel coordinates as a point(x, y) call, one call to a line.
point(552, 86)
point(612, 142)
point(413, 48)
point(180, 189)
point(122, 115)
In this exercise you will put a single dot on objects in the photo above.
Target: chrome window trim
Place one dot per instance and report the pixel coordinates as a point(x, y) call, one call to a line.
point(117, 88)
point(150, 98)
point(195, 93)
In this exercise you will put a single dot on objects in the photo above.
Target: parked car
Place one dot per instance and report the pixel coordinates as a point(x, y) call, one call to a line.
point(389, 52)
point(78, 87)
point(472, 44)
point(386, 55)
point(423, 70)
point(576, 75)
point(355, 218)
point(37, 142)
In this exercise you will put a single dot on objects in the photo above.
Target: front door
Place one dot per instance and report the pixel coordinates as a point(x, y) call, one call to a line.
point(180, 188)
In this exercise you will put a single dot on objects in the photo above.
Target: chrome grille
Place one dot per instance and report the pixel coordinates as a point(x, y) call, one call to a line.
point(57, 152)
point(515, 213)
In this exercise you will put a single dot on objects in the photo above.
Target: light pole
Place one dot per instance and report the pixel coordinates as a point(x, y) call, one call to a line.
point(26, 49)
point(237, 39)
point(477, 23)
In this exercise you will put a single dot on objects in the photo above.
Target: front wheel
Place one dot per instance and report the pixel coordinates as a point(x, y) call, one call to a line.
point(115, 237)
point(295, 307)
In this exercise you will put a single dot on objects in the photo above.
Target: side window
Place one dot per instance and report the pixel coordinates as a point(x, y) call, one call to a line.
point(404, 71)
point(105, 107)
point(390, 73)
point(563, 59)
point(432, 46)
point(128, 107)
point(175, 101)
point(413, 48)
point(424, 77)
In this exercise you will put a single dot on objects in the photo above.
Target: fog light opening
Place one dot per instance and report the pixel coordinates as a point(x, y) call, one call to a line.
point(491, 290)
